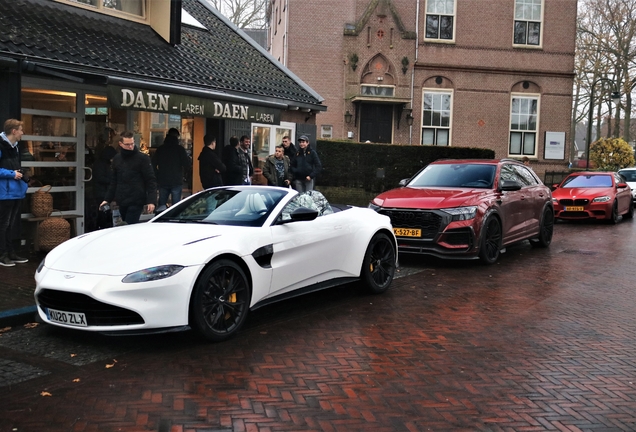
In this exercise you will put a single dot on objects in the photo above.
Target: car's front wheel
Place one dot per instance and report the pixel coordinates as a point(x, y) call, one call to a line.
point(490, 241)
point(378, 267)
point(546, 229)
point(614, 216)
point(630, 212)
point(220, 301)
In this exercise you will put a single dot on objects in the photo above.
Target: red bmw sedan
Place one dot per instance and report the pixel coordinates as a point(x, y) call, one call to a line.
point(593, 195)
point(468, 209)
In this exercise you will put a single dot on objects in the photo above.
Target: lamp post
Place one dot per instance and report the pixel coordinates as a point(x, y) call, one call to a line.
point(615, 96)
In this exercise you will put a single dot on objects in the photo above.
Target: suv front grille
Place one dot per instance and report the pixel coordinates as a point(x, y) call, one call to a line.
point(429, 222)
point(97, 313)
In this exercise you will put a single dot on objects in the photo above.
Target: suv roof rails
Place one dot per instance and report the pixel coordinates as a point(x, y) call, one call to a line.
point(510, 160)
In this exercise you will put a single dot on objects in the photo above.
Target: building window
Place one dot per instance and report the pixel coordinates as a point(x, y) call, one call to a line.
point(440, 18)
point(326, 131)
point(136, 8)
point(528, 18)
point(524, 116)
point(376, 90)
point(436, 117)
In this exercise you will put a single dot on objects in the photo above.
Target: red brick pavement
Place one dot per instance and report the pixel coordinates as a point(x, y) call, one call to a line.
point(544, 340)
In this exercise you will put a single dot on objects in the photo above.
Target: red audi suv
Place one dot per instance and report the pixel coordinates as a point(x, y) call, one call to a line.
point(468, 209)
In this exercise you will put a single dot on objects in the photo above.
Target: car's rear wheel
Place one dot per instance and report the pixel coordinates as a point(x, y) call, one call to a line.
point(630, 212)
point(220, 301)
point(614, 216)
point(490, 241)
point(378, 267)
point(546, 229)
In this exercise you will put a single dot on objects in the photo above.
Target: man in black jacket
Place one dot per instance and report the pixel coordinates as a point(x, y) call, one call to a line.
point(211, 168)
point(305, 166)
point(133, 184)
point(170, 162)
point(238, 162)
point(289, 148)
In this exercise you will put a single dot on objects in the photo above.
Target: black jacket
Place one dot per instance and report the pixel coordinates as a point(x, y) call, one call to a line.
point(209, 164)
point(306, 163)
point(233, 166)
point(133, 180)
point(170, 162)
point(102, 172)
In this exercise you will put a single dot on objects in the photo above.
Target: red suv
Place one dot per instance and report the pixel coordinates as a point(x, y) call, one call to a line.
point(469, 209)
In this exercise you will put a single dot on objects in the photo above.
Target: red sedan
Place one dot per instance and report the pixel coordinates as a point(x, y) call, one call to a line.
point(593, 195)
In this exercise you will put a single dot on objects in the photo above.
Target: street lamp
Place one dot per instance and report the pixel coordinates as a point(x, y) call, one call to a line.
point(616, 96)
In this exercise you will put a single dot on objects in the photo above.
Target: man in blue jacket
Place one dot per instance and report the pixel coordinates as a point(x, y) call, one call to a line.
point(12, 190)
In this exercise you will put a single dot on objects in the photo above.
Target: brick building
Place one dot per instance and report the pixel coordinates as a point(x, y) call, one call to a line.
point(495, 74)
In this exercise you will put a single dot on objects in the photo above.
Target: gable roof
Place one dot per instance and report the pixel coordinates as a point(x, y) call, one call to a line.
point(355, 29)
point(217, 59)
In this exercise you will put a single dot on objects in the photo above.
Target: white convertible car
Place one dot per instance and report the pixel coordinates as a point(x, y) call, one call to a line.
point(205, 262)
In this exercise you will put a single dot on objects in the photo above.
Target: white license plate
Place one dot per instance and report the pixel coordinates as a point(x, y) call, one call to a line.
point(69, 318)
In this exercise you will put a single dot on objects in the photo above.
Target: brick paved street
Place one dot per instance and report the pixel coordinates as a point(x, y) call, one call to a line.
point(543, 340)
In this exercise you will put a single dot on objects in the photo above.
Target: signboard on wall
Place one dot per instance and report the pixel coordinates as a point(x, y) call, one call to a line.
point(554, 145)
point(150, 100)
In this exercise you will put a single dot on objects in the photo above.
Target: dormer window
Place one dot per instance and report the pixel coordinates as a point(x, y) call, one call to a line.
point(132, 8)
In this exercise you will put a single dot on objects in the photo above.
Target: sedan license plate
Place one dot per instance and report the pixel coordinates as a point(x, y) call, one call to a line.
point(69, 318)
point(407, 232)
point(574, 208)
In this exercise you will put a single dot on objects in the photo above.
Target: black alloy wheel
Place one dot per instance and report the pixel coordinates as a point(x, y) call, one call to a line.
point(546, 229)
point(378, 267)
point(630, 212)
point(490, 241)
point(614, 216)
point(220, 301)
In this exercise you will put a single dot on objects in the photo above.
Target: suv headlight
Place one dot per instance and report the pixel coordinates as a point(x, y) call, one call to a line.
point(461, 213)
point(604, 198)
point(152, 274)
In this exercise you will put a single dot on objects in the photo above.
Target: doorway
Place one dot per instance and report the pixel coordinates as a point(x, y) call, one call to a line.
point(376, 123)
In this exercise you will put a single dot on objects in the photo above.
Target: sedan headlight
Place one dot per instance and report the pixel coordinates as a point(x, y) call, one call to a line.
point(152, 274)
point(462, 213)
point(41, 266)
point(604, 198)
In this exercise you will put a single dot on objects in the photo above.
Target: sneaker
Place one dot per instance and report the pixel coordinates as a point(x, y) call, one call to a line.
point(17, 259)
point(5, 261)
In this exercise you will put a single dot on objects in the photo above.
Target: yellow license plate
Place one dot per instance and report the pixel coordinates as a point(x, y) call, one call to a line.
point(573, 208)
point(407, 232)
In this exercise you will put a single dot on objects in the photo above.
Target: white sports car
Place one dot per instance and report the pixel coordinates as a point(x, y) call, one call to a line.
point(205, 262)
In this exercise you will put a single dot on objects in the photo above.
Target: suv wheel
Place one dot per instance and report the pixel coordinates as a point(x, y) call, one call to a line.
point(490, 241)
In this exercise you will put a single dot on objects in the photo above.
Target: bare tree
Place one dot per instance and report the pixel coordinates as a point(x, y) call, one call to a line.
point(249, 14)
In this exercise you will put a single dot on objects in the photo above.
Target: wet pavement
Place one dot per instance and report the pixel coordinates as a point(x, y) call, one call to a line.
point(543, 340)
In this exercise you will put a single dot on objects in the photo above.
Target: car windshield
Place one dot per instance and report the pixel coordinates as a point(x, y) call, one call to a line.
point(465, 175)
point(630, 175)
point(587, 181)
point(243, 207)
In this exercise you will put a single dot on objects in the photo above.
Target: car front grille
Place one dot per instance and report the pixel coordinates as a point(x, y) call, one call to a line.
point(576, 202)
point(459, 237)
point(429, 222)
point(575, 214)
point(97, 313)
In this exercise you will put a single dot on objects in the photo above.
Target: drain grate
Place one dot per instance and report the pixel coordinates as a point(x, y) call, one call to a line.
point(579, 252)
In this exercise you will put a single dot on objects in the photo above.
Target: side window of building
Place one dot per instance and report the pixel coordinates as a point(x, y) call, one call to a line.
point(436, 117)
point(524, 119)
point(528, 22)
point(440, 20)
point(525, 176)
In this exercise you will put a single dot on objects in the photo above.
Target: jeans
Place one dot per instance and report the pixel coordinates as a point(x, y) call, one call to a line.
point(9, 214)
point(164, 192)
point(131, 214)
point(304, 185)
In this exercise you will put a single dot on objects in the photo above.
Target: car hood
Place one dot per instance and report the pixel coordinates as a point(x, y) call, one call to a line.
point(430, 198)
point(573, 193)
point(126, 249)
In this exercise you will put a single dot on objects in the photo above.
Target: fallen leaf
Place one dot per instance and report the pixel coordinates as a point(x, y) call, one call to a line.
point(73, 355)
point(6, 329)
point(45, 394)
point(31, 325)
point(108, 366)
point(76, 380)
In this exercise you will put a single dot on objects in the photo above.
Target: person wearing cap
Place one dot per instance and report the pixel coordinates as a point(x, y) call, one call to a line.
point(305, 166)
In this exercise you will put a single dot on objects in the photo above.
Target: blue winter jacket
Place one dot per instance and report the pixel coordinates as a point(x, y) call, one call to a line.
point(10, 188)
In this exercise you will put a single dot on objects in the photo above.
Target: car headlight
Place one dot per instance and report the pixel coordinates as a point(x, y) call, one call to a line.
point(152, 274)
point(462, 213)
point(555, 201)
point(604, 198)
point(40, 266)
point(374, 207)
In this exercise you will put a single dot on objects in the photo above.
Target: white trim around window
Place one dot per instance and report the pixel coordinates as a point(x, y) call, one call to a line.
point(523, 139)
point(129, 11)
point(437, 109)
point(440, 21)
point(527, 30)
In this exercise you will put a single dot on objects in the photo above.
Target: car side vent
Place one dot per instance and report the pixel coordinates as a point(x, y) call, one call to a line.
point(263, 256)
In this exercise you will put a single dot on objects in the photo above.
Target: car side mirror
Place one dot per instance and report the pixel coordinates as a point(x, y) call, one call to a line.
point(509, 186)
point(403, 182)
point(301, 214)
point(621, 185)
point(554, 186)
